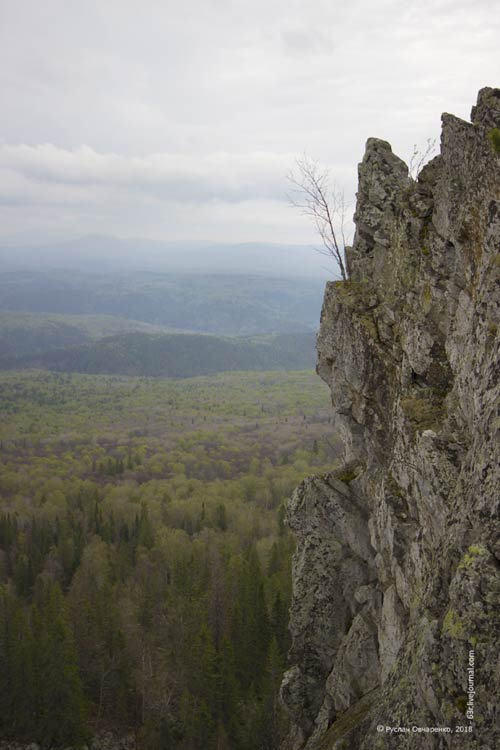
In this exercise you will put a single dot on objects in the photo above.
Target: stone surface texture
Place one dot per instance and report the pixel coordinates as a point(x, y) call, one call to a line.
point(101, 741)
point(397, 569)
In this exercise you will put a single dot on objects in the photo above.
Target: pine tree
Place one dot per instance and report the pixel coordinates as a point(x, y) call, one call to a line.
point(268, 723)
point(59, 704)
point(250, 624)
point(15, 674)
point(145, 535)
point(198, 727)
point(230, 694)
point(206, 674)
point(279, 624)
point(221, 517)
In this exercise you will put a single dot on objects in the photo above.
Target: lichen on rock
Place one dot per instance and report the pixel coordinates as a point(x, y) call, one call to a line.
point(397, 569)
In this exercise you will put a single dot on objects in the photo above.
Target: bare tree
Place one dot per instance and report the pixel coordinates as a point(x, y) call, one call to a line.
point(317, 197)
point(421, 155)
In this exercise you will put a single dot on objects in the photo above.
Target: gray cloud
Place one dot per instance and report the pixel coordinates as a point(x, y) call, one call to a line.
point(150, 108)
point(217, 176)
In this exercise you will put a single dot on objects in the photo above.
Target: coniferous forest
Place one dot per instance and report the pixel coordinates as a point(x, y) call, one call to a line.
point(144, 558)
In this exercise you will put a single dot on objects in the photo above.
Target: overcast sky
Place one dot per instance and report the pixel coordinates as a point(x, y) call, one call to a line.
point(177, 120)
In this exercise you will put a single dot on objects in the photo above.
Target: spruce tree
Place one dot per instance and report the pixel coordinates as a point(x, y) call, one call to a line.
point(59, 704)
point(15, 673)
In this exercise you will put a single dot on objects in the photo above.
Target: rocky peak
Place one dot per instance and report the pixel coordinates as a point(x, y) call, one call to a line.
point(381, 176)
point(397, 567)
point(487, 110)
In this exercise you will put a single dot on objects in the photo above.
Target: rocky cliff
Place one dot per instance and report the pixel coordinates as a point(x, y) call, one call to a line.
point(396, 611)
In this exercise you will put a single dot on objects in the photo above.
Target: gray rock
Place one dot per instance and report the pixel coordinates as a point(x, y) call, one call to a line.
point(396, 575)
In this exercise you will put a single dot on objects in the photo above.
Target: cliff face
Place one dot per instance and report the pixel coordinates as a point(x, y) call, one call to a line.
point(397, 568)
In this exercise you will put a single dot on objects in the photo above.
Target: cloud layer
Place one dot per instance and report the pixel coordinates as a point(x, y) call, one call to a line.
point(123, 116)
point(217, 176)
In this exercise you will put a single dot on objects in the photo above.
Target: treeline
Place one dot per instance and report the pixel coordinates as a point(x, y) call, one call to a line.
point(174, 355)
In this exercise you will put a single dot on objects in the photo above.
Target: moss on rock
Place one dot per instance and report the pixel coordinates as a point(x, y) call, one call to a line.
point(452, 625)
point(494, 137)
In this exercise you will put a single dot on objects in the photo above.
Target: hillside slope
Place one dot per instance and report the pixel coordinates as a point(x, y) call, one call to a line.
point(395, 617)
point(221, 304)
point(174, 355)
point(24, 333)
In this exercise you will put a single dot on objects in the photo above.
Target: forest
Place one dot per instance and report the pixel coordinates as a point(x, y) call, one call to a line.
point(217, 303)
point(177, 355)
point(144, 556)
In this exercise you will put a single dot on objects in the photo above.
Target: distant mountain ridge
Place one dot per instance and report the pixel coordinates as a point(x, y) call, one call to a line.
point(183, 256)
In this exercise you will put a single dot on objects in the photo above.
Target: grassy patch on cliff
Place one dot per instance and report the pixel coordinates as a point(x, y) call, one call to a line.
point(423, 413)
point(452, 625)
point(494, 136)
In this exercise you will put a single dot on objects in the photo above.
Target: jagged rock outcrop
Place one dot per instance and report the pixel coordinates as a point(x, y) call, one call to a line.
point(397, 570)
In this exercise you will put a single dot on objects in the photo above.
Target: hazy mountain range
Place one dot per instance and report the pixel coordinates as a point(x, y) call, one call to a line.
point(221, 304)
point(95, 252)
